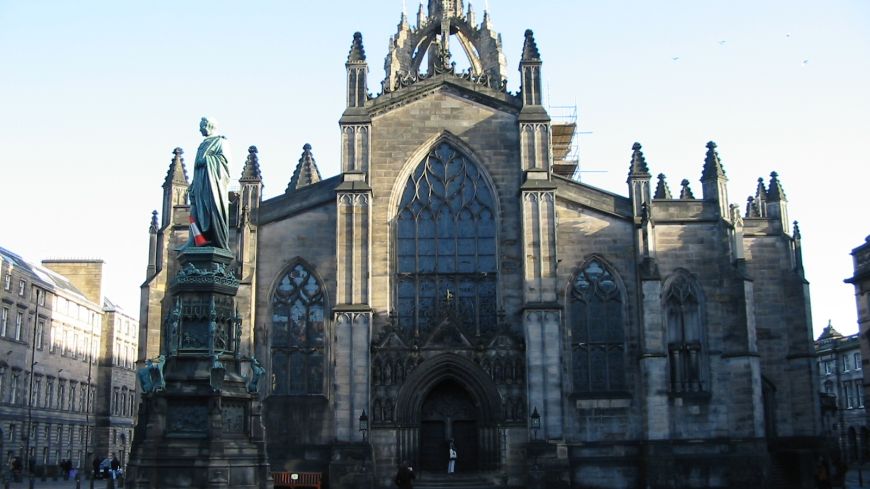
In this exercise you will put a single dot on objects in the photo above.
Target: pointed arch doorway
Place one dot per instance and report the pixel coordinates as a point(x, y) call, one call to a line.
point(449, 412)
point(449, 396)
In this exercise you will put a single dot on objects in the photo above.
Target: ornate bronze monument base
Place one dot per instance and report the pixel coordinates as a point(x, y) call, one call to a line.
point(200, 419)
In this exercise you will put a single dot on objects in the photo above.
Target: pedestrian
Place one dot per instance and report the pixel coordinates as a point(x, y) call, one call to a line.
point(16, 469)
point(451, 454)
point(96, 466)
point(405, 476)
point(115, 464)
point(822, 475)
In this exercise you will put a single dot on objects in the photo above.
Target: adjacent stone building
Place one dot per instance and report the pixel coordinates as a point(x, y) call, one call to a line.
point(453, 282)
point(53, 322)
point(861, 281)
point(841, 376)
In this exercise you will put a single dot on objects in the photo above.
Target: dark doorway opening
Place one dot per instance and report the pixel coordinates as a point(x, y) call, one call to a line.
point(449, 412)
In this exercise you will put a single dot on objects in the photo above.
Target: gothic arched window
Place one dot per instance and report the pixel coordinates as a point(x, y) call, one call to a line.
point(682, 304)
point(297, 333)
point(445, 245)
point(597, 337)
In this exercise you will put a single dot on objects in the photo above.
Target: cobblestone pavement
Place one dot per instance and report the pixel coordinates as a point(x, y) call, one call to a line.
point(853, 481)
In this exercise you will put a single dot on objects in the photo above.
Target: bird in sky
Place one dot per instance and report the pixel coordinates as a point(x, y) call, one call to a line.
point(722, 43)
point(675, 58)
point(804, 62)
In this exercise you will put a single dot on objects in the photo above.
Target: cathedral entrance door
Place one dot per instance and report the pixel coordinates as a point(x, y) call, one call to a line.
point(448, 413)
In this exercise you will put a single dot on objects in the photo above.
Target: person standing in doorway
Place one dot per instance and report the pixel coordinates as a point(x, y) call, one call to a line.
point(405, 476)
point(451, 464)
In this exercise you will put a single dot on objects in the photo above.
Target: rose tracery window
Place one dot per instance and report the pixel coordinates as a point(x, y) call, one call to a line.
point(445, 242)
point(297, 333)
point(597, 337)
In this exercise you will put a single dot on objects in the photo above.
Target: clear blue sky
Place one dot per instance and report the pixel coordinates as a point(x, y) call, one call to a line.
point(94, 96)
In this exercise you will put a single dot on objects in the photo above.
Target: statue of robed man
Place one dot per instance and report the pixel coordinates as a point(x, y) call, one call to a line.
point(209, 206)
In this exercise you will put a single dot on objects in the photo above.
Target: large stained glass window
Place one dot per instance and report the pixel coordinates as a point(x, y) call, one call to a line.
point(297, 333)
point(597, 331)
point(445, 245)
point(685, 346)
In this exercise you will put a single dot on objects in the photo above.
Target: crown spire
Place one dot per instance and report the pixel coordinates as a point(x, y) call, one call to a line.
point(251, 171)
point(306, 171)
point(662, 190)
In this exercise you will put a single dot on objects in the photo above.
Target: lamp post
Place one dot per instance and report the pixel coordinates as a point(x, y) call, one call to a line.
point(535, 422)
point(364, 424)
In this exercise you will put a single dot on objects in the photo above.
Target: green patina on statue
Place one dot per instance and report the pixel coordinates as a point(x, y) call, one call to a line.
point(209, 206)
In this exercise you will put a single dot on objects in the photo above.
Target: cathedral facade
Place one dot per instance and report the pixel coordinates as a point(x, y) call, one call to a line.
point(454, 283)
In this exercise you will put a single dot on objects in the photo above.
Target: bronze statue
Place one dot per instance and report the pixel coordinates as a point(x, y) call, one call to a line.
point(209, 205)
point(257, 371)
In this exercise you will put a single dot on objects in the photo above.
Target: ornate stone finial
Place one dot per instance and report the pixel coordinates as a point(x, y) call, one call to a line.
point(638, 167)
point(443, 64)
point(487, 19)
point(357, 53)
point(775, 193)
point(662, 190)
point(251, 171)
point(760, 189)
point(760, 201)
point(421, 16)
point(752, 207)
point(712, 165)
point(177, 173)
point(530, 47)
point(306, 171)
point(797, 231)
point(686, 192)
point(153, 228)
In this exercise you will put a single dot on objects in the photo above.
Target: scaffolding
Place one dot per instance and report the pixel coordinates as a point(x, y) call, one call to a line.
point(566, 144)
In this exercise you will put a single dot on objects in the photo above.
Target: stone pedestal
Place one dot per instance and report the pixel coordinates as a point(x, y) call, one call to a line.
point(351, 466)
point(546, 467)
point(199, 426)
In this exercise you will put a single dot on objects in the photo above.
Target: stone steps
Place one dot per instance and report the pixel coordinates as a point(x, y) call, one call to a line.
point(455, 481)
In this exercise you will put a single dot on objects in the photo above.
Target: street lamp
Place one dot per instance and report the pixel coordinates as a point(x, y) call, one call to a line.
point(364, 424)
point(535, 422)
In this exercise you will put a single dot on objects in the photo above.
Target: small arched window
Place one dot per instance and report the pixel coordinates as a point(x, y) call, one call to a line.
point(297, 333)
point(597, 336)
point(682, 303)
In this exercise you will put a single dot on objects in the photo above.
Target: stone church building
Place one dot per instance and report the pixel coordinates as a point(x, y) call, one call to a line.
point(454, 282)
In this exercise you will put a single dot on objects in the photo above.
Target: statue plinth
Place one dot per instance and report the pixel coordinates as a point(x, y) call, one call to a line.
point(199, 426)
